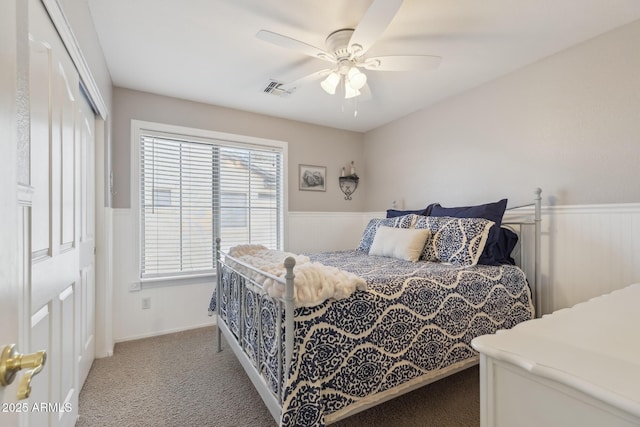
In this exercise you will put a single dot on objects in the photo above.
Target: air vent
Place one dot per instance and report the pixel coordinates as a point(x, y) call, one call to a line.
point(275, 88)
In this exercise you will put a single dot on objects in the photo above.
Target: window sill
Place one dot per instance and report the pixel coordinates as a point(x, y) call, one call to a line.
point(162, 282)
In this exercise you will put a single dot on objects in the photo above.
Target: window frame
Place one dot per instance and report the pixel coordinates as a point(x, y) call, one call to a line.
point(139, 127)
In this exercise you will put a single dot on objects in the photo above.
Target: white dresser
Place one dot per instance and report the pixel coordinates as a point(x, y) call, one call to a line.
point(575, 367)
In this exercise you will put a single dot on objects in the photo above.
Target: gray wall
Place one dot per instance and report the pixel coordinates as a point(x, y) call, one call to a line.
point(308, 144)
point(569, 124)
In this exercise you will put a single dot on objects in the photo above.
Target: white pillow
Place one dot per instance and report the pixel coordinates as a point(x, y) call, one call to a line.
point(401, 243)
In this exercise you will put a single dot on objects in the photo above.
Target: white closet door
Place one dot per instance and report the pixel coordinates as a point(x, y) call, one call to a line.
point(62, 225)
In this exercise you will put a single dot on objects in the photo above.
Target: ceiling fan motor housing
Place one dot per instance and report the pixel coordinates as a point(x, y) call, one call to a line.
point(338, 43)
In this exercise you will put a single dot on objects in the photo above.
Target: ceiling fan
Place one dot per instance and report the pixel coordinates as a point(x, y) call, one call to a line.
point(346, 50)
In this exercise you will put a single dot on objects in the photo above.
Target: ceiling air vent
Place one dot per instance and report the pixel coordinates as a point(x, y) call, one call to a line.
point(275, 88)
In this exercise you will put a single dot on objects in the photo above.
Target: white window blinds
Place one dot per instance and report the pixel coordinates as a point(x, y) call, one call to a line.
point(192, 192)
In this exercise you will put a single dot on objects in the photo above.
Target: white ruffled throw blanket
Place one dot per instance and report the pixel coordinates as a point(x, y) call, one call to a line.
point(314, 282)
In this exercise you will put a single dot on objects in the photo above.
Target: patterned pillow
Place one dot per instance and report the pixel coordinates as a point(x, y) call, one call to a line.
point(457, 241)
point(405, 221)
point(491, 211)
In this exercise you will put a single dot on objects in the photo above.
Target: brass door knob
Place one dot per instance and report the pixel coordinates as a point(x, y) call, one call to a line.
point(11, 362)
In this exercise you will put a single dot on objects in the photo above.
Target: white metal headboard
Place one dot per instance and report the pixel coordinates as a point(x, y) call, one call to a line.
point(518, 219)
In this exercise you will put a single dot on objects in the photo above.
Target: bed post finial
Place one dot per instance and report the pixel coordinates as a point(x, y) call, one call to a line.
point(289, 262)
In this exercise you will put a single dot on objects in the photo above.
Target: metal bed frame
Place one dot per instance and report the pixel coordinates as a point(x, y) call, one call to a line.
point(286, 305)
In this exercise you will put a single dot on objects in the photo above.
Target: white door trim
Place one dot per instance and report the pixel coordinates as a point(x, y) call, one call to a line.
point(69, 40)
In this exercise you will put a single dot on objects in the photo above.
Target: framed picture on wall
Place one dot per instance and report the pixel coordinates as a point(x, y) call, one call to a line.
point(312, 178)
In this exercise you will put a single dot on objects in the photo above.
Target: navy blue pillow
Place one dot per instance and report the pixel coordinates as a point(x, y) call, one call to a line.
point(392, 213)
point(429, 209)
point(506, 243)
point(491, 211)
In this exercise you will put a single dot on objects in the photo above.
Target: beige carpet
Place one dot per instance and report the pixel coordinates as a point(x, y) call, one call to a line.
point(179, 380)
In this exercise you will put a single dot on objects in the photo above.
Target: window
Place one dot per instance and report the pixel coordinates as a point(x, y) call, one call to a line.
point(194, 189)
point(233, 212)
point(162, 197)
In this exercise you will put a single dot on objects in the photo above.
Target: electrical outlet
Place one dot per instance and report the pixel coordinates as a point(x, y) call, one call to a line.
point(146, 303)
point(134, 286)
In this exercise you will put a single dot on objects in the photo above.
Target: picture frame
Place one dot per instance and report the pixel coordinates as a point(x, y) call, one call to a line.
point(312, 178)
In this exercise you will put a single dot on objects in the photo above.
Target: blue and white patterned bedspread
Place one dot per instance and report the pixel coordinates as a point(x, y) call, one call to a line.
point(415, 319)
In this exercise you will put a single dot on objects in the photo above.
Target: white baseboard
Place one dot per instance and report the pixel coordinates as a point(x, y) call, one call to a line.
point(167, 331)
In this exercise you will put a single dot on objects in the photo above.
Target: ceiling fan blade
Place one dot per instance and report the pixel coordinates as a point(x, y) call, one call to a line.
point(289, 43)
point(375, 20)
point(306, 79)
point(401, 63)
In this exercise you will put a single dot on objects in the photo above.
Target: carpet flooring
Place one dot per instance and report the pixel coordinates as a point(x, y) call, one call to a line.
point(179, 380)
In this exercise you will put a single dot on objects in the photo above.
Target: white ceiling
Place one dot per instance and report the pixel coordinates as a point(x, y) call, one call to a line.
point(206, 50)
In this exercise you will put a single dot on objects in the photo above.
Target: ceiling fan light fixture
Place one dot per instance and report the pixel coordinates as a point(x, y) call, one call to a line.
point(331, 83)
point(350, 91)
point(357, 79)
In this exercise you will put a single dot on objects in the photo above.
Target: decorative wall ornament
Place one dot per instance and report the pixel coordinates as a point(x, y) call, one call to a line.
point(349, 183)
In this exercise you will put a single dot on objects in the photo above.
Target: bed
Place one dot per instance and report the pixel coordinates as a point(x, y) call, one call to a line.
point(576, 367)
point(315, 363)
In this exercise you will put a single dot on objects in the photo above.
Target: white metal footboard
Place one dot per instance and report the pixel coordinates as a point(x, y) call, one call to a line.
point(284, 308)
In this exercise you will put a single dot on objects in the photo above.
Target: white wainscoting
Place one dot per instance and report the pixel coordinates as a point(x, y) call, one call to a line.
point(325, 231)
point(586, 251)
point(589, 251)
point(173, 308)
